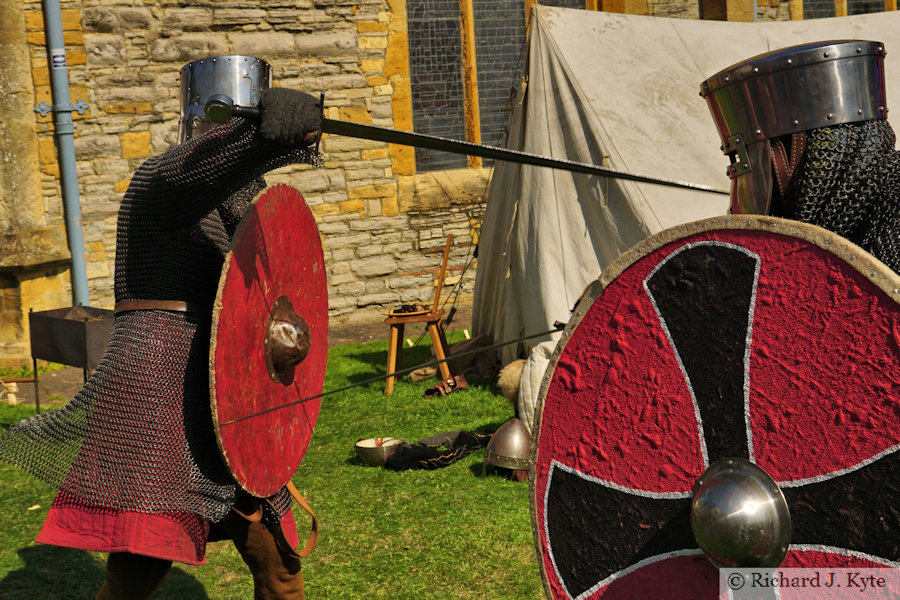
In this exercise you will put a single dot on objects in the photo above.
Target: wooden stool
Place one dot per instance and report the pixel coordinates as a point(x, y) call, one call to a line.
point(432, 319)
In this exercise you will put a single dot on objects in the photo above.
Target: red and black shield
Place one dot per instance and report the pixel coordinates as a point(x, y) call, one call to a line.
point(269, 342)
point(740, 336)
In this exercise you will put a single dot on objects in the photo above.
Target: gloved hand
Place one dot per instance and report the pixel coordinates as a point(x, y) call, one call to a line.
point(289, 117)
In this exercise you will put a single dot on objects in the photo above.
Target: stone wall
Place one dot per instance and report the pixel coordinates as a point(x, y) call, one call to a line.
point(382, 226)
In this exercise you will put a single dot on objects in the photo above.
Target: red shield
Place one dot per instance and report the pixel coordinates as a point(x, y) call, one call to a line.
point(748, 337)
point(272, 300)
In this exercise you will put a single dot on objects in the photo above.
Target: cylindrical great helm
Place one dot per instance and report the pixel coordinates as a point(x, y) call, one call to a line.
point(240, 78)
point(510, 447)
point(785, 92)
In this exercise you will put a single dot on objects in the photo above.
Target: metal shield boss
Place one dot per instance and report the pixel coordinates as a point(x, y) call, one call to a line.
point(269, 342)
point(742, 366)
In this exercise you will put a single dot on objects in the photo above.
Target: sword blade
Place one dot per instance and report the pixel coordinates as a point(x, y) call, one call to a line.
point(419, 140)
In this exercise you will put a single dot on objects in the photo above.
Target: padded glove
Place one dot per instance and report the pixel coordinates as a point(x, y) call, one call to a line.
point(289, 117)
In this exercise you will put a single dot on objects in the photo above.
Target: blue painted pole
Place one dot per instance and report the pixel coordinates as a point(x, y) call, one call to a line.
point(62, 110)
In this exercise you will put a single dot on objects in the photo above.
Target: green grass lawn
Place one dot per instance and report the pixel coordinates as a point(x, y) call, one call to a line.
point(448, 533)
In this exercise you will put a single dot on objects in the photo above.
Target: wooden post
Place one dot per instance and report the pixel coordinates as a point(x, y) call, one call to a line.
point(840, 8)
point(592, 5)
point(890, 4)
point(470, 76)
point(796, 7)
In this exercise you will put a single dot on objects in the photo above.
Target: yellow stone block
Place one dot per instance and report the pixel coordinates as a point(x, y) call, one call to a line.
point(47, 151)
point(357, 114)
point(43, 92)
point(73, 38)
point(390, 207)
point(740, 10)
point(44, 292)
point(403, 160)
point(371, 65)
point(135, 145)
point(34, 20)
point(373, 43)
point(131, 108)
point(375, 154)
point(375, 80)
point(36, 37)
point(76, 56)
point(378, 190)
point(78, 90)
point(122, 186)
point(40, 75)
point(396, 58)
point(370, 26)
point(353, 206)
point(384, 90)
point(71, 19)
point(51, 170)
point(401, 103)
point(325, 210)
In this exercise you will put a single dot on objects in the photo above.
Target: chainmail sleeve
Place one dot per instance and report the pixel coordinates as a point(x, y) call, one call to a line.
point(138, 437)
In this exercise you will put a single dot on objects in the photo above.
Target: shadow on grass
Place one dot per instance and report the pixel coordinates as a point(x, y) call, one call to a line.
point(69, 574)
point(410, 358)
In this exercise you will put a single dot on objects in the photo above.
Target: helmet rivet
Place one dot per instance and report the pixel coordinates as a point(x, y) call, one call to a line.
point(826, 55)
point(858, 50)
point(759, 132)
point(795, 122)
point(790, 62)
point(859, 111)
point(829, 116)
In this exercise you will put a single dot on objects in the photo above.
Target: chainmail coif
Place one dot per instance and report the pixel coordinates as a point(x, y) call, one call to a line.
point(849, 183)
point(139, 436)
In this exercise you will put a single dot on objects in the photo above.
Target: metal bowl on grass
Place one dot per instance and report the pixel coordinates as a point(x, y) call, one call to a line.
point(374, 451)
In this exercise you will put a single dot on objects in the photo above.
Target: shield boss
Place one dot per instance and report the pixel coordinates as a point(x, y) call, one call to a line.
point(269, 342)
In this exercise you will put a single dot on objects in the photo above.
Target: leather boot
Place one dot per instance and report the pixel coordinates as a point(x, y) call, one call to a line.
point(276, 573)
point(132, 576)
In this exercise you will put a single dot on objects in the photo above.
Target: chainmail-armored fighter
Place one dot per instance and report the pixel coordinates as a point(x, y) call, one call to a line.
point(134, 454)
point(807, 133)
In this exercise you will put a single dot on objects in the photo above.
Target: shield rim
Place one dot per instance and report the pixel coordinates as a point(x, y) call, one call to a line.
point(218, 307)
point(864, 263)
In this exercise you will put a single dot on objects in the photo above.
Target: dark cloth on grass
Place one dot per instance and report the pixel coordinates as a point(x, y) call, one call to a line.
point(437, 451)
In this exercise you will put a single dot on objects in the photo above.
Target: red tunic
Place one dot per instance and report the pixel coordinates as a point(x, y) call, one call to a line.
point(180, 537)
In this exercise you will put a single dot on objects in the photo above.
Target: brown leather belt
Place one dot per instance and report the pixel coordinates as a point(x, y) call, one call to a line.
point(175, 305)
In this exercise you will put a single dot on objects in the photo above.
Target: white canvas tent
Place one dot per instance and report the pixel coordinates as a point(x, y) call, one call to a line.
point(621, 91)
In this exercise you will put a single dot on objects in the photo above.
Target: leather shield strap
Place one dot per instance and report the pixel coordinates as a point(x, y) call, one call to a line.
point(314, 529)
point(174, 305)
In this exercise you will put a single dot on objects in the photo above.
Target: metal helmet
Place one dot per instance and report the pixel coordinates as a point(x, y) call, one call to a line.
point(510, 447)
point(789, 91)
point(241, 79)
point(739, 515)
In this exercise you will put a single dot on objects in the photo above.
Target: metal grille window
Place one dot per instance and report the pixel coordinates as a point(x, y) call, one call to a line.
point(436, 70)
point(819, 9)
point(861, 7)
